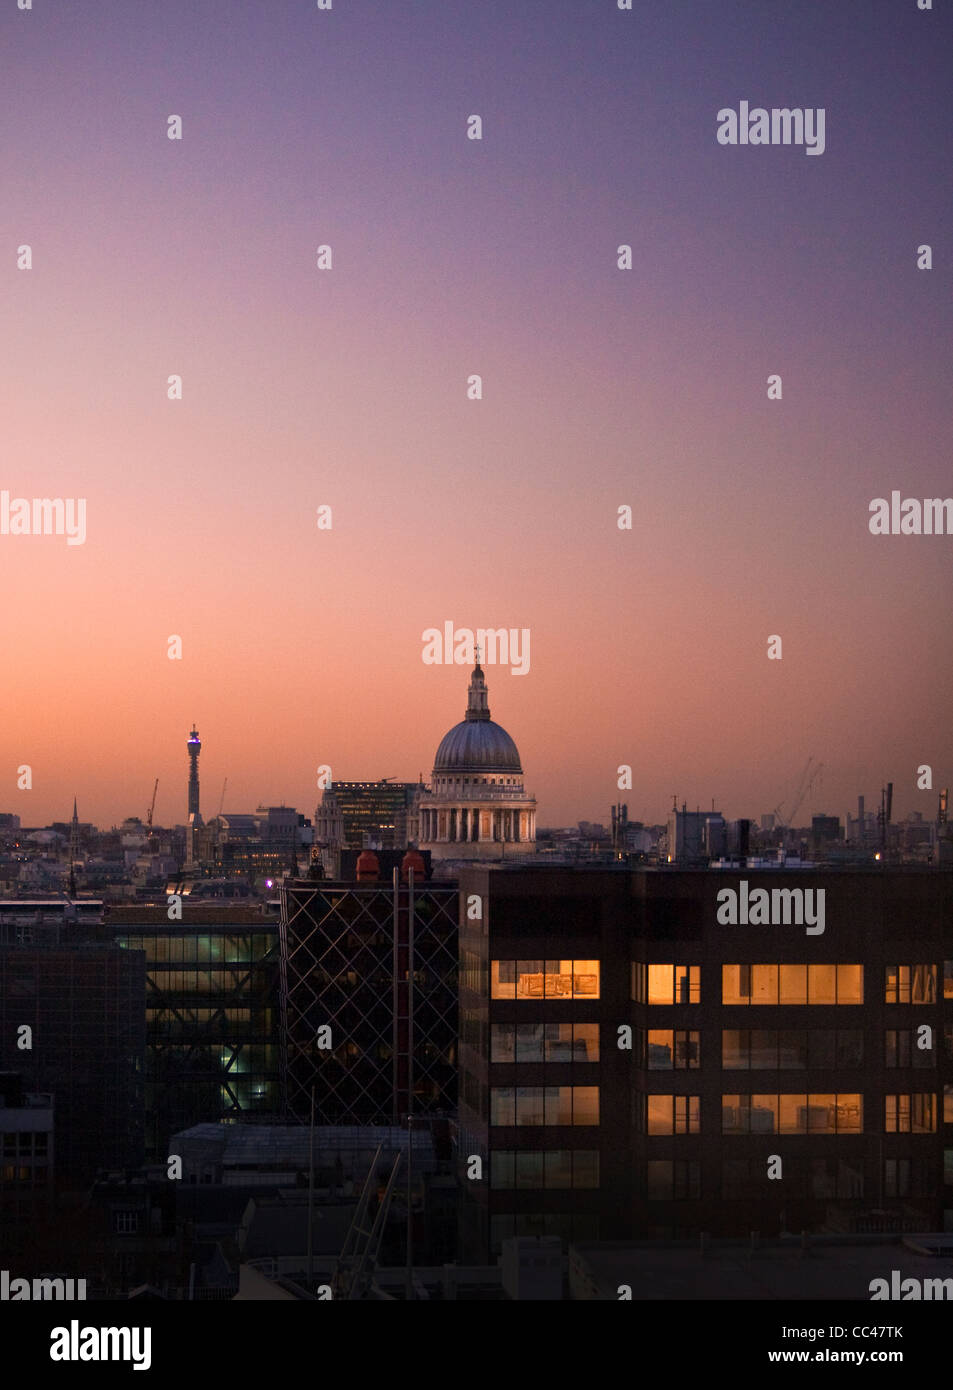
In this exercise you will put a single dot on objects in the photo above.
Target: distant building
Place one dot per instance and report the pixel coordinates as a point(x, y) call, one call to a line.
point(364, 815)
point(253, 845)
point(694, 837)
point(476, 808)
point(825, 830)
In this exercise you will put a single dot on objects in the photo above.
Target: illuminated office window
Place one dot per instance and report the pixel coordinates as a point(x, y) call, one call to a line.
point(910, 1114)
point(667, 1049)
point(544, 979)
point(672, 1114)
point(666, 983)
point(819, 1113)
point(911, 984)
point(792, 984)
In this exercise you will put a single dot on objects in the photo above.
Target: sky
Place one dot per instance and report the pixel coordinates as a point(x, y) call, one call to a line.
point(348, 388)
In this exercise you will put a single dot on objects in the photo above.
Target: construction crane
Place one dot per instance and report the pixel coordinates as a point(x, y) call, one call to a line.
point(153, 806)
point(805, 785)
point(221, 804)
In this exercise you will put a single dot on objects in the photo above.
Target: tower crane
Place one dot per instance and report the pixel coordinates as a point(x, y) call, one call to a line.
point(805, 785)
point(153, 806)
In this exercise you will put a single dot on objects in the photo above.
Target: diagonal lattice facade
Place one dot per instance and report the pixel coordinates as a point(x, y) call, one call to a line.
point(377, 964)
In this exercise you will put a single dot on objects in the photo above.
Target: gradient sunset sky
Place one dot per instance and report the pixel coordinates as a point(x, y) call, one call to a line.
point(348, 387)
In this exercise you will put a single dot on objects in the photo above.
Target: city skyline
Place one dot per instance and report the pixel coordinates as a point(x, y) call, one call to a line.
point(476, 533)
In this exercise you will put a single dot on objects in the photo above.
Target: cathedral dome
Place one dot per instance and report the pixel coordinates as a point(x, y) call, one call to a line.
point(477, 746)
point(476, 809)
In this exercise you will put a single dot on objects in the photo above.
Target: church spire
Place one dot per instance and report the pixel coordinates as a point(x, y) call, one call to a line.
point(477, 707)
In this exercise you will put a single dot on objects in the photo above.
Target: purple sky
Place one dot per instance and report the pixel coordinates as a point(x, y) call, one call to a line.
point(601, 388)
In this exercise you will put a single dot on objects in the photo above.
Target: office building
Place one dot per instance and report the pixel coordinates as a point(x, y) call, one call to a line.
point(80, 1005)
point(375, 963)
point(211, 1013)
point(364, 815)
point(27, 1148)
point(633, 1067)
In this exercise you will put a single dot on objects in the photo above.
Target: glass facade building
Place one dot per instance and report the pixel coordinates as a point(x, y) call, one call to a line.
point(369, 1000)
point(374, 811)
point(211, 1015)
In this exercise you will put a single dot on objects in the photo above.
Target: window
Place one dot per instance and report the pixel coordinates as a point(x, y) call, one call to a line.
point(665, 983)
point(897, 1177)
point(910, 1114)
point(911, 984)
point(745, 1179)
point(665, 1050)
point(735, 1049)
point(503, 1042)
point(529, 1169)
point(585, 1042)
point(544, 1042)
point(907, 1178)
point(672, 1115)
point(530, 1106)
point(948, 979)
point(849, 1047)
point(544, 1169)
point(901, 1048)
point(834, 1177)
point(792, 984)
point(672, 1179)
point(823, 1113)
point(544, 1105)
point(544, 979)
point(948, 1105)
point(791, 1049)
point(126, 1223)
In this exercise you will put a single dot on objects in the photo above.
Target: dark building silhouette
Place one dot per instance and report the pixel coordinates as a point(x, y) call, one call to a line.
point(631, 1067)
point(377, 965)
point(27, 1157)
point(84, 1003)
